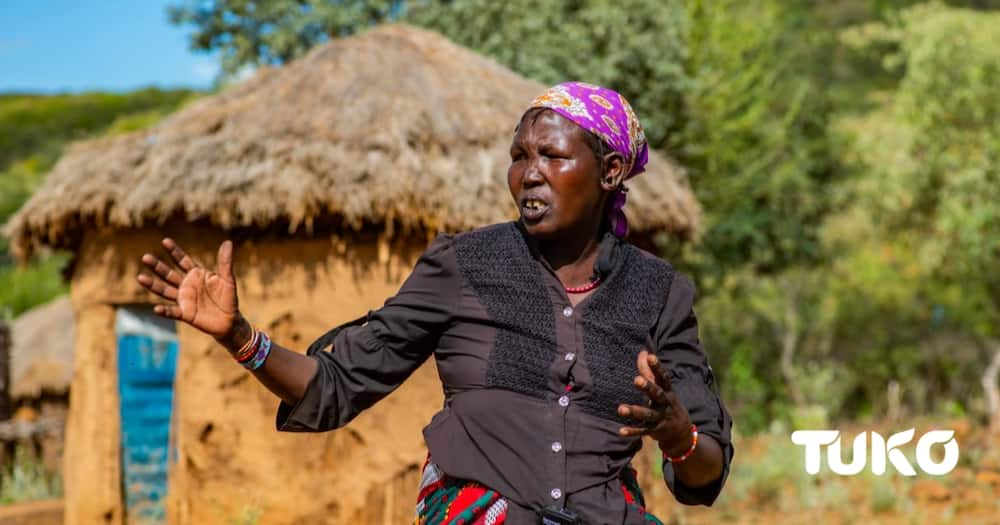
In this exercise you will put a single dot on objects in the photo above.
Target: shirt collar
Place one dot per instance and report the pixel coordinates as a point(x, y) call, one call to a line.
point(607, 252)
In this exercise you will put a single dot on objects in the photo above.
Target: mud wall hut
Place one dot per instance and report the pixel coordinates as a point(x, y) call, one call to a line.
point(331, 174)
point(41, 369)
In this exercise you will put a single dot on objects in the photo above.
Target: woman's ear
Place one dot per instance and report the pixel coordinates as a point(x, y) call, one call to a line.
point(614, 171)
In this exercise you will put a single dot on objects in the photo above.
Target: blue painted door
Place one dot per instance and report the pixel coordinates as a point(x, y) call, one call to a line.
point(147, 359)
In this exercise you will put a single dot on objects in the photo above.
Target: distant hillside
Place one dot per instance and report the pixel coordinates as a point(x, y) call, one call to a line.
point(33, 124)
point(33, 131)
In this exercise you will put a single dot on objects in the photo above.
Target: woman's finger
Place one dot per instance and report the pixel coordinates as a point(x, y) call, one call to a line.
point(659, 372)
point(165, 272)
point(634, 431)
point(224, 261)
point(185, 261)
point(157, 286)
point(642, 363)
point(652, 390)
point(168, 311)
point(640, 413)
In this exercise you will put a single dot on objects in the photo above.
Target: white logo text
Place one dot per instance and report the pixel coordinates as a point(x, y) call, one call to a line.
point(883, 451)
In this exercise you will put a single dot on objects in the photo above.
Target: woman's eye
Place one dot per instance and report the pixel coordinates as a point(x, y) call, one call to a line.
point(553, 154)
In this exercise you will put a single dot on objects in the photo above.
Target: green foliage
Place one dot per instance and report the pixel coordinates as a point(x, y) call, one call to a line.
point(252, 33)
point(940, 177)
point(774, 341)
point(39, 124)
point(756, 139)
point(26, 478)
point(136, 121)
point(916, 248)
point(24, 287)
point(934, 146)
point(16, 185)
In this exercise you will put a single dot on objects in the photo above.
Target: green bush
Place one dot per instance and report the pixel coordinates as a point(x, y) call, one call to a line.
point(24, 287)
point(26, 478)
point(30, 124)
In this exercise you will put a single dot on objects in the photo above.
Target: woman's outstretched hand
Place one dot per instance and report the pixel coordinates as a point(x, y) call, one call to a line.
point(196, 295)
point(666, 419)
point(206, 300)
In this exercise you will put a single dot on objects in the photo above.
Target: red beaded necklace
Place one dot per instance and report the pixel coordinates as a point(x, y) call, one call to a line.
point(585, 288)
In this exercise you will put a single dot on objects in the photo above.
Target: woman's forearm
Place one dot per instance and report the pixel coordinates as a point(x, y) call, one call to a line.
point(703, 466)
point(285, 373)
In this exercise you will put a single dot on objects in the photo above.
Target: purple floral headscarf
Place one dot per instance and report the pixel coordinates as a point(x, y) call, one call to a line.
point(605, 113)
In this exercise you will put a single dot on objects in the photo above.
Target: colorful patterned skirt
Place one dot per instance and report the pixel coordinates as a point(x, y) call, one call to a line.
point(448, 501)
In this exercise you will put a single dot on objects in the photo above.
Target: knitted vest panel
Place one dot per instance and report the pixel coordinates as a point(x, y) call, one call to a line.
point(617, 319)
point(617, 323)
point(496, 262)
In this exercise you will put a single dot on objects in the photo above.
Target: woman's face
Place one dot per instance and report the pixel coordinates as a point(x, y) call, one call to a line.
point(555, 178)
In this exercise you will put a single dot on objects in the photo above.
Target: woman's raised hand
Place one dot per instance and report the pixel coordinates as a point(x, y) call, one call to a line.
point(196, 295)
point(665, 419)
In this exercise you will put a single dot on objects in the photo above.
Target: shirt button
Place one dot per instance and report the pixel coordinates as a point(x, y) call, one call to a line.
point(563, 401)
point(570, 356)
point(556, 493)
point(568, 311)
point(556, 446)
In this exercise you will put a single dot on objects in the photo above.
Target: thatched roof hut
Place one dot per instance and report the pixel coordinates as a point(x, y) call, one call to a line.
point(41, 371)
point(331, 173)
point(397, 127)
point(41, 356)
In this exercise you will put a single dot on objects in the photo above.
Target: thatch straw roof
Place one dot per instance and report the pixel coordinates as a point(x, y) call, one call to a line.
point(41, 357)
point(397, 127)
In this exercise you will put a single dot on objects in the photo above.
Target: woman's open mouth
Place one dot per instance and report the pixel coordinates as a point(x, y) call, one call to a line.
point(533, 209)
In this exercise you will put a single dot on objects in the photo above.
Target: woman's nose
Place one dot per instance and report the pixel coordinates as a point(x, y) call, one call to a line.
point(533, 174)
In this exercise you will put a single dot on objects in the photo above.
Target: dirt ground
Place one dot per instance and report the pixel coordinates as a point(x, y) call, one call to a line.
point(47, 512)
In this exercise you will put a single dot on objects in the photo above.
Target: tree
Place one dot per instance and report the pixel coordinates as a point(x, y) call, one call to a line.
point(927, 192)
point(250, 33)
point(934, 146)
point(756, 138)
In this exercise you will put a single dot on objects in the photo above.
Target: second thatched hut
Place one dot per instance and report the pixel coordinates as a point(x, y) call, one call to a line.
point(331, 173)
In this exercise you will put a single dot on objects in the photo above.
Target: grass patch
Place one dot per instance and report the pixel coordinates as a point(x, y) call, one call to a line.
point(25, 478)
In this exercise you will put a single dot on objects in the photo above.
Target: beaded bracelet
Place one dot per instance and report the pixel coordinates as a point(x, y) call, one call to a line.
point(248, 349)
point(263, 350)
point(682, 457)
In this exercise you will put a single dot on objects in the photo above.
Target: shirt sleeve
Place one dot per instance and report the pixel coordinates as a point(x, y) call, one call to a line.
point(693, 381)
point(366, 362)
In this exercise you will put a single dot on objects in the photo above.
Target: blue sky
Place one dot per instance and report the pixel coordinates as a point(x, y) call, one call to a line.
point(52, 46)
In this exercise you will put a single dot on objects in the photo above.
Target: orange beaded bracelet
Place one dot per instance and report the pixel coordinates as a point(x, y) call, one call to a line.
point(682, 457)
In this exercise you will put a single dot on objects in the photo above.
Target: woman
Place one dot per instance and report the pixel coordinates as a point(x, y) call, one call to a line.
point(559, 344)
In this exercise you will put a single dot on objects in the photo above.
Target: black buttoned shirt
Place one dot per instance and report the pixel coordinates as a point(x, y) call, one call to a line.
point(531, 382)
